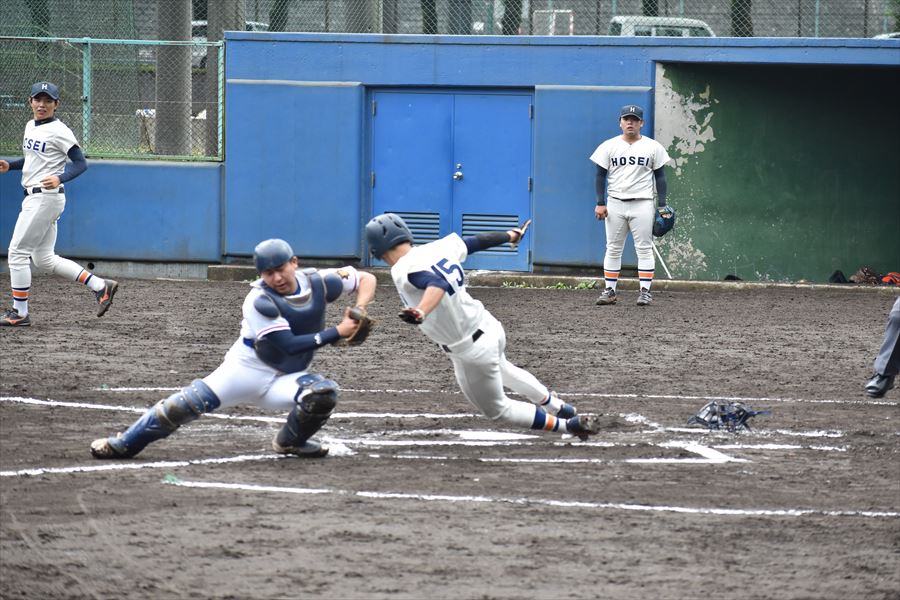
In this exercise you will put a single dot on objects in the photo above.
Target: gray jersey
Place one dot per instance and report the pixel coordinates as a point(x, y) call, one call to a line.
point(45, 148)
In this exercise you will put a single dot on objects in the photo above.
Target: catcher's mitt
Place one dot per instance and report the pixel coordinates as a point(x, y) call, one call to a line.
point(363, 328)
point(732, 416)
point(521, 229)
point(412, 315)
point(664, 221)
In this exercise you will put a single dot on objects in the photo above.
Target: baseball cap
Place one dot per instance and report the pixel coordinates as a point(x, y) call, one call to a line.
point(45, 87)
point(632, 110)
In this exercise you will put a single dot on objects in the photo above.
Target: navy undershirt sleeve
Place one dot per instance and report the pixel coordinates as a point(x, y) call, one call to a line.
point(662, 186)
point(425, 279)
point(17, 164)
point(76, 167)
point(483, 241)
point(600, 185)
point(292, 344)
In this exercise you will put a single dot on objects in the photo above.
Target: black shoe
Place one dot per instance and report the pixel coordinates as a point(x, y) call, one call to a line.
point(309, 449)
point(879, 385)
point(105, 296)
point(583, 426)
point(11, 318)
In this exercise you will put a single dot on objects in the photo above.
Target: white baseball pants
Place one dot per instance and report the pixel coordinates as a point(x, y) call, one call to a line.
point(244, 379)
point(637, 217)
point(483, 371)
point(34, 238)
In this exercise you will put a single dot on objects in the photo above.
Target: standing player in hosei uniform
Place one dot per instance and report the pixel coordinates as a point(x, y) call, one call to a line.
point(633, 163)
point(432, 287)
point(46, 144)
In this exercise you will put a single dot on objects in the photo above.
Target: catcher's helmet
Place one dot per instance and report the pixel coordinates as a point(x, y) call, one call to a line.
point(662, 225)
point(386, 231)
point(273, 253)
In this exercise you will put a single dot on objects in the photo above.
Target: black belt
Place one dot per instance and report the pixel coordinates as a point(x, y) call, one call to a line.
point(38, 190)
point(478, 333)
point(248, 342)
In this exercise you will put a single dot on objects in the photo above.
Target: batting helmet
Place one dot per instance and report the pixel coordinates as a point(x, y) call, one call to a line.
point(273, 253)
point(662, 224)
point(386, 231)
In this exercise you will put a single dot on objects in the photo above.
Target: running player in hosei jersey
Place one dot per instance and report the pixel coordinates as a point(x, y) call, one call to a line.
point(46, 145)
point(634, 165)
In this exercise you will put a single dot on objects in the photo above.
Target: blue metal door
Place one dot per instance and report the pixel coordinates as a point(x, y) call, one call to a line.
point(455, 162)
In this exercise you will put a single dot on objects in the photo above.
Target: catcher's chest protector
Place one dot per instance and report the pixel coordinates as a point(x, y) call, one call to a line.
point(304, 312)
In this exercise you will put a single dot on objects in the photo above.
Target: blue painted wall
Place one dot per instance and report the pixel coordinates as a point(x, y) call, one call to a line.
point(297, 146)
point(579, 85)
point(130, 210)
point(294, 156)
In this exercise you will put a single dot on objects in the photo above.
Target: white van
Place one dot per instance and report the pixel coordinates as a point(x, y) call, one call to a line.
point(659, 26)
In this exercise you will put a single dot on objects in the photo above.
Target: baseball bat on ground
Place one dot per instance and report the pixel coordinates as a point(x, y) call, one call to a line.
point(661, 261)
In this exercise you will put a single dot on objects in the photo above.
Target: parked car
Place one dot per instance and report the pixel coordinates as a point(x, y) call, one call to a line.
point(198, 34)
point(659, 26)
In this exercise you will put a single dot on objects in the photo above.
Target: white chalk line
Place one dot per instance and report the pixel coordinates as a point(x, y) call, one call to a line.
point(567, 394)
point(108, 466)
point(738, 512)
point(656, 428)
point(342, 447)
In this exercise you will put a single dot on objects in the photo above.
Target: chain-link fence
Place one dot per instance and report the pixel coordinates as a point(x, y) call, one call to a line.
point(128, 94)
point(121, 99)
point(141, 19)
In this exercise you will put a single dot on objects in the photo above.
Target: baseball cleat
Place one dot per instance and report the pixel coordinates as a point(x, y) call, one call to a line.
point(11, 318)
point(583, 426)
point(645, 297)
point(566, 411)
point(607, 297)
point(879, 385)
point(101, 448)
point(105, 296)
point(309, 449)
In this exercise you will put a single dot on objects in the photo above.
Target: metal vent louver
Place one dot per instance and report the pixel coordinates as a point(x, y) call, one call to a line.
point(425, 227)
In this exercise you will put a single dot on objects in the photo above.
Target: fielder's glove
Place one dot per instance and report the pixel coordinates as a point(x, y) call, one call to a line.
point(521, 229)
point(664, 221)
point(412, 315)
point(363, 328)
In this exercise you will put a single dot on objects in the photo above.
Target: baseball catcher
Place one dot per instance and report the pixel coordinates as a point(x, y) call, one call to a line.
point(269, 363)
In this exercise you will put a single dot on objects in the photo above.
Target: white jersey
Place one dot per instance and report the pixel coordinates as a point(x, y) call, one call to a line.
point(45, 148)
point(458, 315)
point(630, 166)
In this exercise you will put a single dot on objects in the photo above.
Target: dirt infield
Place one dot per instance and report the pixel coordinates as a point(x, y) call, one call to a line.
point(423, 499)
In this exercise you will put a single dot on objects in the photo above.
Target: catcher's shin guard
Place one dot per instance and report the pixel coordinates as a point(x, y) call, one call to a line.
point(315, 401)
point(164, 417)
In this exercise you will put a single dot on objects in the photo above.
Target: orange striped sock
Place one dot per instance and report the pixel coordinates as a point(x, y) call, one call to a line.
point(611, 277)
point(20, 300)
